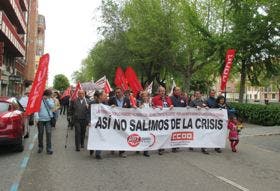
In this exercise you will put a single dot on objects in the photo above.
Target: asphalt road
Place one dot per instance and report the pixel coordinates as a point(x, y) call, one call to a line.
point(13, 164)
point(254, 167)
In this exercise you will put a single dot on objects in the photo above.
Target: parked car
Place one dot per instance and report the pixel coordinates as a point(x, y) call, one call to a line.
point(13, 123)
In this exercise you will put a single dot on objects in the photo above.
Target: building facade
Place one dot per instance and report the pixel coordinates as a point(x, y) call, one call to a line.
point(252, 93)
point(40, 42)
point(13, 29)
point(31, 43)
point(22, 33)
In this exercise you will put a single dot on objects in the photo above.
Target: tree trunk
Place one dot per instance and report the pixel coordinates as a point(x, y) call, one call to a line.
point(188, 71)
point(187, 78)
point(279, 95)
point(242, 81)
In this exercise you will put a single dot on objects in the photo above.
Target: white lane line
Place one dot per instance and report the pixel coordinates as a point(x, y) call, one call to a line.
point(233, 183)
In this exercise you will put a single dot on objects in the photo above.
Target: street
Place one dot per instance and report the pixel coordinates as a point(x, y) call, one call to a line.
point(254, 167)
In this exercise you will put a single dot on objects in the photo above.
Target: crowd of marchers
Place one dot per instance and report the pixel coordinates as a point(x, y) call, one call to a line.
point(78, 112)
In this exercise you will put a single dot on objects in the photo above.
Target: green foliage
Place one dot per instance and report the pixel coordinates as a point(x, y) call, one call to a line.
point(60, 82)
point(255, 36)
point(186, 41)
point(258, 114)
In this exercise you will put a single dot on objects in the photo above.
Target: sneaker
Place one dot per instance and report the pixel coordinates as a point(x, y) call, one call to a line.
point(40, 150)
point(77, 149)
point(49, 152)
point(174, 150)
point(146, 154)
point(122, 155)
point(160, 152)
point(234, 150)
point(91, 152)
point(204, 151)
point(218, 150)
point(98, 157)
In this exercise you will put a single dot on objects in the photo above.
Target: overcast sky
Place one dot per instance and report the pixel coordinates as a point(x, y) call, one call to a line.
point(70, 33)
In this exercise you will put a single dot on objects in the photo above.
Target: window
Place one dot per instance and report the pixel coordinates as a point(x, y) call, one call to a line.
point(4, 107)
point(273, 96)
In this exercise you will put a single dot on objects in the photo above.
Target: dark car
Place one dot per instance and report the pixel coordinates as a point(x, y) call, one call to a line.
point(13, 123)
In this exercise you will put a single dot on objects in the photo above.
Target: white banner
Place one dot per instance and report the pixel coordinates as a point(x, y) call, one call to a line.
point(150, 129)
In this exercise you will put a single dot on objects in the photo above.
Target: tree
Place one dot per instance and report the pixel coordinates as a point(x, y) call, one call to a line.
point(60, 82)
point(255, 36)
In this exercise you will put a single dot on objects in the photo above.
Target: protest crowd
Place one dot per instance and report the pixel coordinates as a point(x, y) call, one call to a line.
point(78, 111)
point(77, 104)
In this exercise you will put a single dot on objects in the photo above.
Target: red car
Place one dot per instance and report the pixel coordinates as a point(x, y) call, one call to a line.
point(13, 123)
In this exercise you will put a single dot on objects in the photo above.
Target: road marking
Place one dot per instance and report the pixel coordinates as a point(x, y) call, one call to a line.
point(222, 178)
point(233, 183)
point(31, 146)
point(14, 187)
point(23, 165)
point(24, 162)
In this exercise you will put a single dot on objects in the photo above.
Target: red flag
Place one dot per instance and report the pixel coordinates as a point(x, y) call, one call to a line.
point(75, 94)
point(107, 87)
point(228, 62)
point(132, 101)
point(66, 92)
point(132, 80)
point(38, 86)
point(120, 80)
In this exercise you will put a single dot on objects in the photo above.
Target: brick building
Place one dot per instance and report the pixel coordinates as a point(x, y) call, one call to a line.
point(40, 42)
point(18, 45)
point(13, 27)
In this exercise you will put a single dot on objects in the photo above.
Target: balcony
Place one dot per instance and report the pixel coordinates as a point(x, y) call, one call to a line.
point(24, 5)
point(41, 22)
point(10, 37)
point(14, 12)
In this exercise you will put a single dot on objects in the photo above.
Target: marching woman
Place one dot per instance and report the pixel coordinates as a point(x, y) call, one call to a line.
point(145, 103)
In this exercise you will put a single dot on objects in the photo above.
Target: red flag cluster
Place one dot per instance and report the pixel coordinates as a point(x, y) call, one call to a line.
point(128, 80)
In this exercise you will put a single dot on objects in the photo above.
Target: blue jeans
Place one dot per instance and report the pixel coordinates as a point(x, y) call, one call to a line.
point(41, 126)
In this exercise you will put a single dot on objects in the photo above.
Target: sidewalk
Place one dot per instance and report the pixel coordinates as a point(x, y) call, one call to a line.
point(258, 130)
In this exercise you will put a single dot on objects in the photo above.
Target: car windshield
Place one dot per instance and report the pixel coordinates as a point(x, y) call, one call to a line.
point(4, 107)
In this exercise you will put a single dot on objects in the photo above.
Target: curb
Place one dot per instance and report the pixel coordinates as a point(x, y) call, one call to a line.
point(259, 135)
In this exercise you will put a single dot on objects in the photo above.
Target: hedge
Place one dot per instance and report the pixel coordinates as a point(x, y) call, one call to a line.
point(267, 115)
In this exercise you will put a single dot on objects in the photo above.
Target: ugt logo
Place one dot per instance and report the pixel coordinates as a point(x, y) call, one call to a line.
point(133, 140)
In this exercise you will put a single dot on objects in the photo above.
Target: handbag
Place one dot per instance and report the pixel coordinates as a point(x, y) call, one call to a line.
point(31, 119)
point(53, 121)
